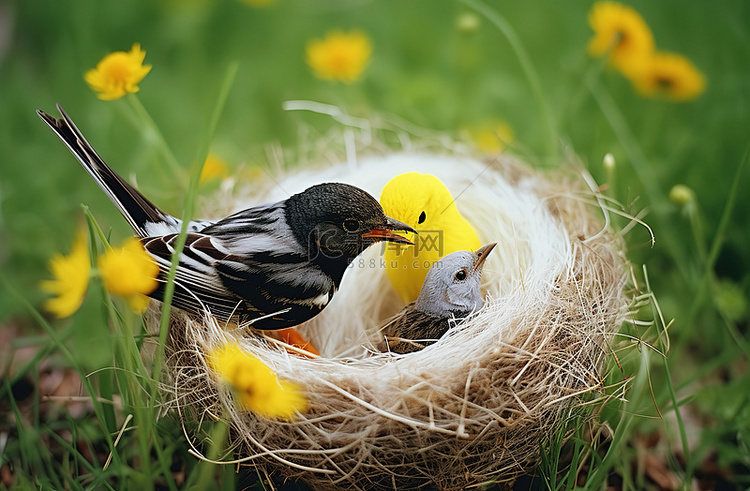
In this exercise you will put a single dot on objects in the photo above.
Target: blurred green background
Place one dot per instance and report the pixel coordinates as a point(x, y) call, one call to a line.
point(428, 70)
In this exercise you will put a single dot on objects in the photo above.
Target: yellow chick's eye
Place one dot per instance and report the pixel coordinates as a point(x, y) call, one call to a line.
point(422, 218)
point(460, 275)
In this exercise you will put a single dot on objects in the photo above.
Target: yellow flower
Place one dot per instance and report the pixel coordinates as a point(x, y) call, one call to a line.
point(118, 73)
point(129, 272)
point(670, 76)
point(138, 302)
point(71, 275)
point(340, 56)
point(213, 167)
point(622, 34)
point(492, 137)
point(256, 385)
point(258, 3)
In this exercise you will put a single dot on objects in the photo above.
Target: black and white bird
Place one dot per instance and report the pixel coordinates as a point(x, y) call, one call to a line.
point(449, 294)
point(272, 266)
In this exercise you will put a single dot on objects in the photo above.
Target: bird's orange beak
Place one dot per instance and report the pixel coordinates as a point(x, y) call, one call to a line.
point(481, 255)
point(386, 233)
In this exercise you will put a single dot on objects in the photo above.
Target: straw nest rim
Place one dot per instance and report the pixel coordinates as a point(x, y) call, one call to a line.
point(470, 409)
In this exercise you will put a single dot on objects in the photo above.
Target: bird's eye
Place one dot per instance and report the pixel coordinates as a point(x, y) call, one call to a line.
point(422, 218)
point(351, 225)
point(460, 275)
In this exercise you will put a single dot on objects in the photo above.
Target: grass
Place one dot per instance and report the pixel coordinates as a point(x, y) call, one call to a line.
point(222, 72)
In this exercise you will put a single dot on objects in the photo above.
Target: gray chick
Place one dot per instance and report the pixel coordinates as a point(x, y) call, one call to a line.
point(449, 294)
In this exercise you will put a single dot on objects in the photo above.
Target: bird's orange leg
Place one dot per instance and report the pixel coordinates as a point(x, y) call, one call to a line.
point(292, 337)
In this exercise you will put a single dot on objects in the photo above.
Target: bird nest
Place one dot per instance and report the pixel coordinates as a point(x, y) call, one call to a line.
point(476, 406)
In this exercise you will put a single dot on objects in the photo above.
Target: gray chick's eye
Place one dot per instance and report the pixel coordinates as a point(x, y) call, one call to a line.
point(460, 275)
point(351, 225)
point(422, 218)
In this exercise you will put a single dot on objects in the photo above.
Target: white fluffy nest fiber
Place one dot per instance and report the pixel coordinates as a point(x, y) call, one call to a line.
point(472, 408)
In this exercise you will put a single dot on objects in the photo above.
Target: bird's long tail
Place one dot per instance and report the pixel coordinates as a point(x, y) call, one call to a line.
point(145, 218)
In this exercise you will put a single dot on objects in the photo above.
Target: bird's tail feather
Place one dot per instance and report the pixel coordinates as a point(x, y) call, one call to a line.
point(135, 207)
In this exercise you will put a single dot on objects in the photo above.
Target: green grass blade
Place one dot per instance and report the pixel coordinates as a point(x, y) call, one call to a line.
point(528, 69)
point(34, 361)
point(716, 245)
point(205, 472)
point(645, 173)
point(175, 169)
point(598, 474)
point(680, 425)
point(95, 471)
point(188, 213)
point(63, 349)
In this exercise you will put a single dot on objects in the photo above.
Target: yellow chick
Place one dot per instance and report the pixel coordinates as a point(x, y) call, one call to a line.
point(423, 202)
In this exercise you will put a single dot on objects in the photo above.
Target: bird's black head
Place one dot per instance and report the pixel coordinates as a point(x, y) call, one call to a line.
point(336, 222)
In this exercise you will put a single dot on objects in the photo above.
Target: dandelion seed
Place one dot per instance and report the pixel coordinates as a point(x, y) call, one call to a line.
point(129, 272)
point(621, 34)
point(670, 76)
point(71, 279)
point(339, 56)
point(118, 73)
point(256, 385)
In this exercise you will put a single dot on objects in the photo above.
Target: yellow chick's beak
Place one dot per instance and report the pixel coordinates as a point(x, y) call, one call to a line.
point(386, 233)
point(481, 255)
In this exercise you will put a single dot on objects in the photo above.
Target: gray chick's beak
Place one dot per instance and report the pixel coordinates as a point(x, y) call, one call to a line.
point(481, 256)
point(386, 232)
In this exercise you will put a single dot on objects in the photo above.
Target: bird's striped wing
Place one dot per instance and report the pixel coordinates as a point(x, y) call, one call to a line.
point(198, 288)
point(285, 284)
point(270, 290)
point(268, 267)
